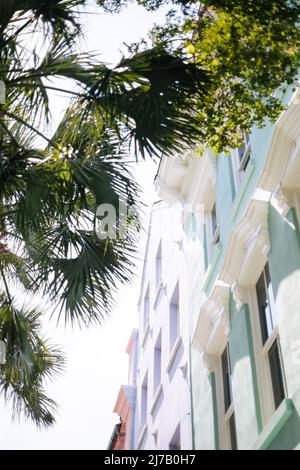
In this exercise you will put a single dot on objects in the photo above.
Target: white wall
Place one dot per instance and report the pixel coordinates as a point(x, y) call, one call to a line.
point(173, 405)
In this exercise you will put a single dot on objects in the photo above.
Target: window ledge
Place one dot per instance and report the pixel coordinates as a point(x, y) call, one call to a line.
point(157, 294)
point(155, 399)
point(274, 425)
point(145, 335)
point(173, 353)
point(142, 435)
point(216, 236)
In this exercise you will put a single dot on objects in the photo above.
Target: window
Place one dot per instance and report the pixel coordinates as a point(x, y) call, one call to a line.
point(226, 374)
point(269, 335)
point(228, 402)
point(157, 364)
point(244, 153)
point(146, 308)
point(240, 160)
point(174, 317)
point(266, 304)
point(158, 266)
point(212, 234)
point(144, 401)
point(214, 225)
point(175, 443)
point(232, 431)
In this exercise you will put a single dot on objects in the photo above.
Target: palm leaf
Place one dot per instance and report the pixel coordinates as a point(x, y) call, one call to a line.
point(30, 360)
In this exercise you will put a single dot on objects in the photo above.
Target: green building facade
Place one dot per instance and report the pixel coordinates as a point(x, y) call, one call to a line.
point(244, 286)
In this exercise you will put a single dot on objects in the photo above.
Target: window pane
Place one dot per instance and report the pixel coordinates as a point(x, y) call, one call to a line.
point(266, 304)
point(214, 219)
point(271, 298)
point(226, 379)
point(232, 429)
point(241, 151)
point(276, 373)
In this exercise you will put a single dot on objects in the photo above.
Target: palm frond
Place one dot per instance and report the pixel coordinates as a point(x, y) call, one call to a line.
point(30, 360)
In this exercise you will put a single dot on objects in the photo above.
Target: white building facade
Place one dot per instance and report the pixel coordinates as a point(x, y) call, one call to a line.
point(163, 403)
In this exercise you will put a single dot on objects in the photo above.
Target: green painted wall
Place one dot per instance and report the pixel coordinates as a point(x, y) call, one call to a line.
point(288, 437)
point(284, 257)
point(244, 385)
point(203, 405)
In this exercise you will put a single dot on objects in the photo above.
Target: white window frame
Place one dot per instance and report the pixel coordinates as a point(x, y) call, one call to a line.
point(262, 358)
point(238, 165)
point(212, 237)
point(223, 417)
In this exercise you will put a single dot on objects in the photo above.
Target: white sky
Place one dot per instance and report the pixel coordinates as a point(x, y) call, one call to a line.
point(97, 362)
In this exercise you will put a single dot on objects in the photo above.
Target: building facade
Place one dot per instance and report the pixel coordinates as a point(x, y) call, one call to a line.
point(245, 296)
point(236, 260)
point(162, 408)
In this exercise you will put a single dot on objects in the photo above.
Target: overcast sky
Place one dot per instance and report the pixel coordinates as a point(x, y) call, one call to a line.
point(97, 362)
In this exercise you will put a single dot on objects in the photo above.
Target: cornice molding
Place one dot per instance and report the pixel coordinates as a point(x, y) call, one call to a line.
point(279, 165)
point(280, 200)
point(239, 295)
point(249, 244)
point(212, 327)
point(125, 401)
point(171, 174)
point(167, 194)
point(202, 181)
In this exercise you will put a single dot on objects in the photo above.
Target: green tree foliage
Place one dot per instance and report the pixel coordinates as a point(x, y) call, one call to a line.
point(250, 49)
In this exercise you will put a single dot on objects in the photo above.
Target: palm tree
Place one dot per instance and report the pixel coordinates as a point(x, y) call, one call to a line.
point(51, 185)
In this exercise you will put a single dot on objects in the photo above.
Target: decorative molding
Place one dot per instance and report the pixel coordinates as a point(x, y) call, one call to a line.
point(212, 327)
point(125, 402)
point(155, 398)
point(155, 435)
point(145, 335)
point(142, 435)
point(281, 163)
point(280, 201)
point(167, 194)
point(170, 177)
point(249, 243)
point(239, 295)
point(179, 243)
point(202, 181)
point(184, 369)
point(173, 353)
point(208, 363)
point(159, 288)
